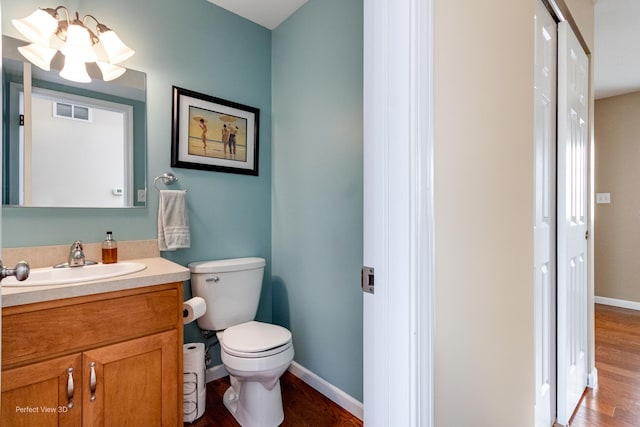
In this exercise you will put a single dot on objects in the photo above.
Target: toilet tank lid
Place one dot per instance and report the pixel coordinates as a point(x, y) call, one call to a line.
point(227, 265)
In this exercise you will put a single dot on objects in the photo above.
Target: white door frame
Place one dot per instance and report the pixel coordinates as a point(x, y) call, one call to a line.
point(398, 212)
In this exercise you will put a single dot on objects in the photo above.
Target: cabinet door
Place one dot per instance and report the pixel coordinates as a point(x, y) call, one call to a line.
point(133, 383)
point(43, 394)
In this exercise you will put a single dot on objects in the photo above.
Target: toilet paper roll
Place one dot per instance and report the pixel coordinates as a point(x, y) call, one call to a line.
point(202, 402)
point(194, 407)
point(190, 385)
point(193, 309)
point(193, 357)
point(190, 411)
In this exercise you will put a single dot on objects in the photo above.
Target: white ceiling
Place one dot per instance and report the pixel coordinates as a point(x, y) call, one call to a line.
point(617, 51)
point(268, 13)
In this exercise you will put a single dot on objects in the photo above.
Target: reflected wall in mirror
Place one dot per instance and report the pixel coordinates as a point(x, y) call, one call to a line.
point(68, 144)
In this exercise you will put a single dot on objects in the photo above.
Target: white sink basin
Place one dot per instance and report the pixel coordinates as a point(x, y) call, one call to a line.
point(58, 276)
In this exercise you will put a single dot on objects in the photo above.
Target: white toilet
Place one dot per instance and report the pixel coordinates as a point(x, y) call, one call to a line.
point(255, 354)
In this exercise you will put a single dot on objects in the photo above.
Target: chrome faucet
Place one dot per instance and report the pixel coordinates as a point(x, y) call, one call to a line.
point(76, 255)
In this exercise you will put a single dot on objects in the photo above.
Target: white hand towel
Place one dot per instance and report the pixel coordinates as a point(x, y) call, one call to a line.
point(173, 221)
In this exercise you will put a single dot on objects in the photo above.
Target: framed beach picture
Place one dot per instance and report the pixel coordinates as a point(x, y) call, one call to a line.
point(210, 133)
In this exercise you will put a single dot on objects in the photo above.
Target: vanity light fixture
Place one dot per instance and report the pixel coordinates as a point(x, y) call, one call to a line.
point(80, 45)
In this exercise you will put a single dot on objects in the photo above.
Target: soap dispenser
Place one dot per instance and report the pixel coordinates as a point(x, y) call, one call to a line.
point(109, 249)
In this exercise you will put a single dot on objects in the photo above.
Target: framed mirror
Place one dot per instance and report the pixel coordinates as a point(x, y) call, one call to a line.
point(68, 144)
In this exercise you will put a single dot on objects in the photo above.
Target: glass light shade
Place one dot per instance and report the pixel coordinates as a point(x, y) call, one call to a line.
point(75, 70)
point(116, 50)
point(37, 27)
point(109, 71)
point(78, 44)
point(39, 55)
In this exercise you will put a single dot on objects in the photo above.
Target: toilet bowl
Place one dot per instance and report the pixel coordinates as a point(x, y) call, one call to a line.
point(254, 353)
point(255, 360)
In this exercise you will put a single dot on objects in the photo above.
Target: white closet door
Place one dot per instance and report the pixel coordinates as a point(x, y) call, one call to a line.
point(544, 227)
point(573, 66)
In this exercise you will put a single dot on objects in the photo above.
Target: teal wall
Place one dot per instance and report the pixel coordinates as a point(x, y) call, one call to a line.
point(197, 46)
point(317, 187)
point(305, 216)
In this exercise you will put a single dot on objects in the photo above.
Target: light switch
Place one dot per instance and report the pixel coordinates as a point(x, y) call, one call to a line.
point(602, 198)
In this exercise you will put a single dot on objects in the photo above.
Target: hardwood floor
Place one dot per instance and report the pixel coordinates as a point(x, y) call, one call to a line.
point(303, 407)
point(616, 401)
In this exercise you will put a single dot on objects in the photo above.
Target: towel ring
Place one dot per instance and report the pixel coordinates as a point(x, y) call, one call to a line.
point(167, 178)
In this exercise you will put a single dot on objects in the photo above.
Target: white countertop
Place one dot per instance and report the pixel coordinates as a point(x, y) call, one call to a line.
point(159, 270)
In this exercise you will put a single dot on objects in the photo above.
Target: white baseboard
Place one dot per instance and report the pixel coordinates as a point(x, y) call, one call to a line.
point(333, 393)
point(617, 303)
point(215, 373)
point(338, 396)
point(592, 380)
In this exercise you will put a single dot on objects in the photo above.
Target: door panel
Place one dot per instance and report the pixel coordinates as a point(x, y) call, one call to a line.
point(544, 214)
point(132, 383)
point(39, 394)
point(573, 66)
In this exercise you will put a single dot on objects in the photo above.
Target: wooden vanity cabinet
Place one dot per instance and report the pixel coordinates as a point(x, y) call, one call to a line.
point(112, 359)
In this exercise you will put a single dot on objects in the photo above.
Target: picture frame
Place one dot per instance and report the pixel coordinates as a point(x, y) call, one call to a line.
point(214, 134)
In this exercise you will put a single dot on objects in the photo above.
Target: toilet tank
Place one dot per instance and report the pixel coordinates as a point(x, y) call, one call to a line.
point(231, 289)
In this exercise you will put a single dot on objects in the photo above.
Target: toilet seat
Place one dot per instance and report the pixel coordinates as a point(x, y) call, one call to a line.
point(255, 339)
point(260, 355)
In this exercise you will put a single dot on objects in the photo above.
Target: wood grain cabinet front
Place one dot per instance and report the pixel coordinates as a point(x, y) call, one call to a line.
point(131, 375)
point(46, 394)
